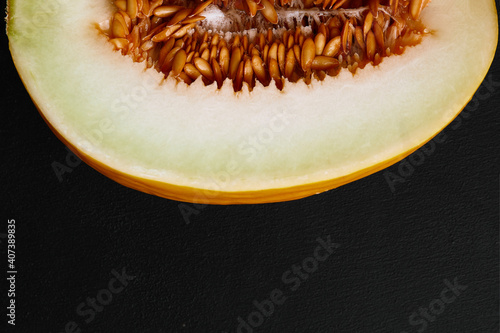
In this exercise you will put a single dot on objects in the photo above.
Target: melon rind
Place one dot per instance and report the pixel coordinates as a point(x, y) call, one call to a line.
point(200, 144)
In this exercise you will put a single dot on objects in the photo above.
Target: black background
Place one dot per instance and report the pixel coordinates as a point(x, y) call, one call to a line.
point(396, 247)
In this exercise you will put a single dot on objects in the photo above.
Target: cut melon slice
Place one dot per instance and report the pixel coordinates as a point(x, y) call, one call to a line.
point(201, 144)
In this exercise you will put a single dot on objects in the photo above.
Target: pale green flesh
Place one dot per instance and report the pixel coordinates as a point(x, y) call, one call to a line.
point(201, 137)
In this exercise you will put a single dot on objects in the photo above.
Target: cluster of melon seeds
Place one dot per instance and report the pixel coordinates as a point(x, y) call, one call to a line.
point(250, 40)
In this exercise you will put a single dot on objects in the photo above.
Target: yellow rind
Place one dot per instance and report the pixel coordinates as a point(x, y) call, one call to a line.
point(200, 196)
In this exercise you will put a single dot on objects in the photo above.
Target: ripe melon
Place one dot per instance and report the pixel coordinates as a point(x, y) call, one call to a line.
point(208, 142)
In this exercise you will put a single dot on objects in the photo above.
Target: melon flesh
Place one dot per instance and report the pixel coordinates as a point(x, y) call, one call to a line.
point(200, 144)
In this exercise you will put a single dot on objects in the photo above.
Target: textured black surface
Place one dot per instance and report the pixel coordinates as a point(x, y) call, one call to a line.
point(397, 246)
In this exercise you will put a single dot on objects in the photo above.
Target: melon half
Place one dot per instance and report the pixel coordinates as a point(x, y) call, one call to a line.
point(198, 143)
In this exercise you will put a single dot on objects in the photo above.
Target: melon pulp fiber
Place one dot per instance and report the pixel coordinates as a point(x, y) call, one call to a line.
point(200, 144)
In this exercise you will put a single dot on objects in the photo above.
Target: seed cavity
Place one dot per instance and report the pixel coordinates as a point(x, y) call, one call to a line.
point(263, 40)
